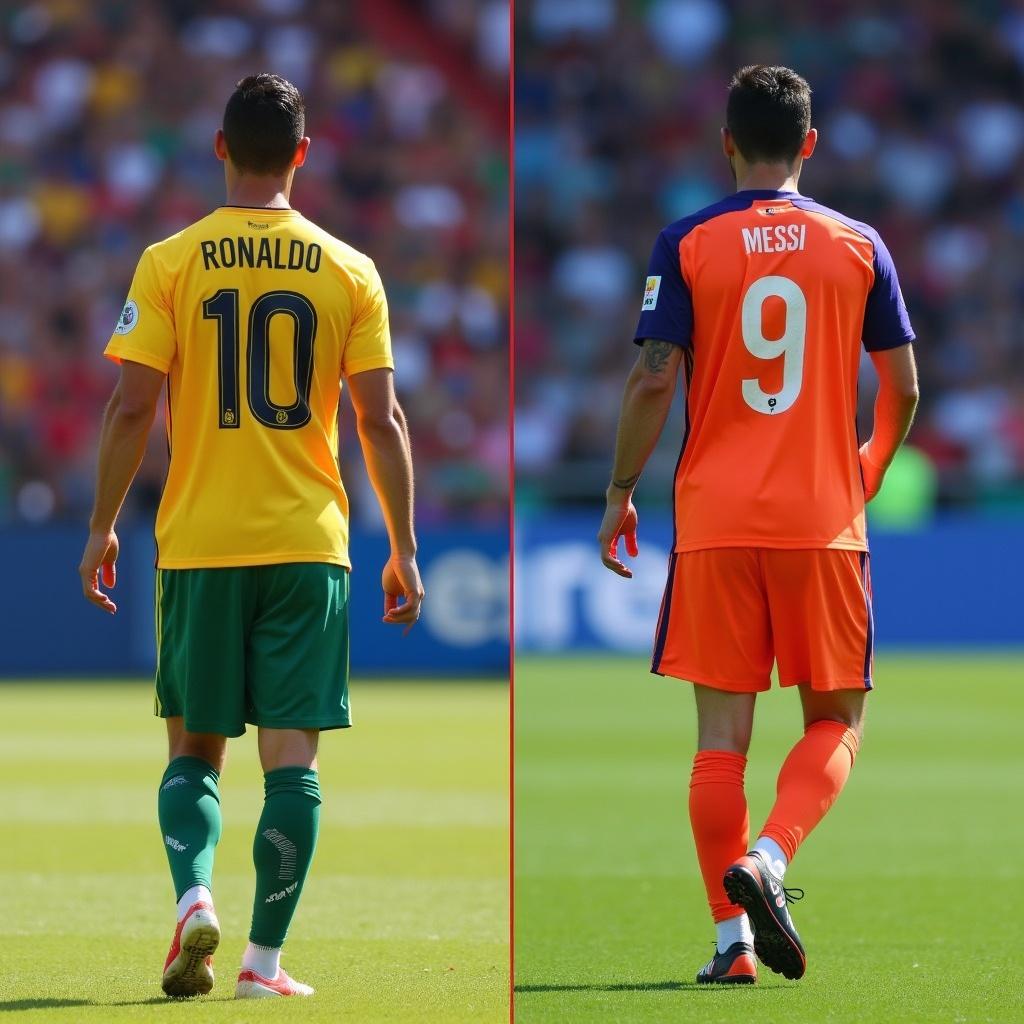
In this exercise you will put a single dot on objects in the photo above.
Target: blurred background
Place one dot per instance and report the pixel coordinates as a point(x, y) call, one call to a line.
point(920, 107)
point(107, 115)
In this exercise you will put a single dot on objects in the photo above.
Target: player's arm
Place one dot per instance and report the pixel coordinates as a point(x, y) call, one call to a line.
point(126, 423)
point(895, 405)
point(404, 424)
point(645, 405)
point(383, 436)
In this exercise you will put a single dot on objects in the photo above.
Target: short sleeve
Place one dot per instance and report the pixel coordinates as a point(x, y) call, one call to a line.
point(886, 320)
point(667, 310)
point(369, 341)
point(145, 329)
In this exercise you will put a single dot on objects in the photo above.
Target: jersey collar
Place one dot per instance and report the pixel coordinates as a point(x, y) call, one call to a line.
point(768, 193)
point(258, 209)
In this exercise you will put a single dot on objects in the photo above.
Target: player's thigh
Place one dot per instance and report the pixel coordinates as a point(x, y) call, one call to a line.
point(821, 618)
point(714, 627)
point(297, 655)
point(202, 617)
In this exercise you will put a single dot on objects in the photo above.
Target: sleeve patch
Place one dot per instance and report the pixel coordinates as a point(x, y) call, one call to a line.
point(128, 319)
point(651, 293)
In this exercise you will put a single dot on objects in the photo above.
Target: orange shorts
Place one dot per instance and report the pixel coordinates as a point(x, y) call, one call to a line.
point(729, 613)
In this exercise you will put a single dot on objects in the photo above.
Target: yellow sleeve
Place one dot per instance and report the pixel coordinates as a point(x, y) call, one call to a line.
point(369, 341)
point(145, 329)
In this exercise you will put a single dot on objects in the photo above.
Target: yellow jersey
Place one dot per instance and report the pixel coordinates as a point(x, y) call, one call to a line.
point(256, 316)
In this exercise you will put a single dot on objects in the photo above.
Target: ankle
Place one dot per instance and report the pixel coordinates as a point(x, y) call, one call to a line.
point(774, 856)
point(264, 960)
point(732, 930)
point(193, 895)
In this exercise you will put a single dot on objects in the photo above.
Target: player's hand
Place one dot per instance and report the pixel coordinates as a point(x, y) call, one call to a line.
point(873, 473)
point(619, 521)
point(98, 564)
point(401, 578)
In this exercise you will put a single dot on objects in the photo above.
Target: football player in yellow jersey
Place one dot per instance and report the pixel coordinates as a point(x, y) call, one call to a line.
point(251, 319)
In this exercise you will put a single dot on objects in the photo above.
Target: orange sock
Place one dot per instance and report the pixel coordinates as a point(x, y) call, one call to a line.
point(810, 780)
point(721, 825)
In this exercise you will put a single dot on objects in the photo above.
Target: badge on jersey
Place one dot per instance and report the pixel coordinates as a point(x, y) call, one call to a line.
point(651, 293)
point(128, 319)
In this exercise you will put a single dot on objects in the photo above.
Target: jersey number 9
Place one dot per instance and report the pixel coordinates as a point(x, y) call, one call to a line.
point(789, 348)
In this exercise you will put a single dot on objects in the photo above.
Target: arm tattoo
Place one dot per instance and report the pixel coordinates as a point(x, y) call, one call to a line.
point(656, 355)
point(628, 484)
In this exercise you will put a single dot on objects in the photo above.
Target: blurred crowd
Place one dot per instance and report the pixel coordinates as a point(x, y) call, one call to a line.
point(107, 116)
point(920, 106)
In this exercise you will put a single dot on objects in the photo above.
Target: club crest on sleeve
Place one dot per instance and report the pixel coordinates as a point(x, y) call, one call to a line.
point(128, 319)
point(651, 293)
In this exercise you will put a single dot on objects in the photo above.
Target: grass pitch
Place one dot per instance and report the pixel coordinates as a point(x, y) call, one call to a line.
point(914, 879)
point(404, 916)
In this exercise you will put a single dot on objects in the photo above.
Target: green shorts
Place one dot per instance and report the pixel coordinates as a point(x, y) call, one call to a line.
point(263, 644)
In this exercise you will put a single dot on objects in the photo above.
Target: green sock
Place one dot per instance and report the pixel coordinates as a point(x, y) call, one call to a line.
point(189, 809)
point(283, 850)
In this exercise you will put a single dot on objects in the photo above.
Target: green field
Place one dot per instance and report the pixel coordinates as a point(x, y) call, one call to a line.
point(405, 913)
point(914, 881)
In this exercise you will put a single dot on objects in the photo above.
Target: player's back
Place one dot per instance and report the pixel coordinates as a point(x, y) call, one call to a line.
point(772, 295)
point(255, 315)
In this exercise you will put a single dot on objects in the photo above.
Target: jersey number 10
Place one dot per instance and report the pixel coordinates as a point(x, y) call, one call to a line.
point(223, 307)
point(789, 348)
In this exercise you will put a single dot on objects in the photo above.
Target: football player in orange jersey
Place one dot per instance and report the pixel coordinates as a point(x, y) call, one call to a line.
point(761, 303)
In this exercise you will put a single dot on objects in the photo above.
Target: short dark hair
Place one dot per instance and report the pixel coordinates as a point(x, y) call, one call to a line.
point(768, 113)
point(264, 122)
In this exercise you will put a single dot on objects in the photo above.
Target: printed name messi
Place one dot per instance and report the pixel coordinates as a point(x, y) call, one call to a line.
point(777, 238)
point(274, 254)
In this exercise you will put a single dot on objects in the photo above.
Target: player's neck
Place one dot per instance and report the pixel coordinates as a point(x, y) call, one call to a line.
point(768, 177)
point(272, 193)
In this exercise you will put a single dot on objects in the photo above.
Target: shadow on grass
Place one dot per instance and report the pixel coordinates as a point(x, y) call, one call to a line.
point(166, 1001)
point(40, 1004)
point(639, 986)
point(68, 1004)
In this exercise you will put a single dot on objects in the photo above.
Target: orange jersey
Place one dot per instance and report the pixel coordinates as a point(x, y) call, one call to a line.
point(771, 296)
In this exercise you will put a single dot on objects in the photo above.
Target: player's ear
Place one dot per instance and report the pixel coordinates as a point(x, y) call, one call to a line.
point(809, 143)
point(300, 152)
point(220, 147)
point(728, 143)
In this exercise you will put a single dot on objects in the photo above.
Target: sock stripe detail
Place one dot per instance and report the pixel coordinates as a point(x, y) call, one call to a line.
point(286, 848)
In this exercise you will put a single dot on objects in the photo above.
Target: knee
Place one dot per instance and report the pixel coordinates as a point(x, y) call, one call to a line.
point(725, 720)
point(288, 748)
point(852, 719)
point(847, 729)
point(734, 738)
point(208, 748)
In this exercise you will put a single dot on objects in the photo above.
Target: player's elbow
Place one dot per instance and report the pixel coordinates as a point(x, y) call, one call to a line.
point(652, 387)
point(131, 412)
point(911, 393)
point(378, 423)
point(904, 391)
point(897, 374)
